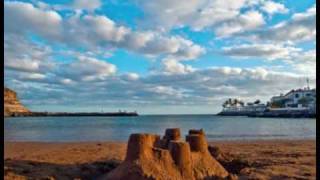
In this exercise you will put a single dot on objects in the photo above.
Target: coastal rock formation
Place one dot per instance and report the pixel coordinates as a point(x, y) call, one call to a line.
point(12, 105)
point(149, 157)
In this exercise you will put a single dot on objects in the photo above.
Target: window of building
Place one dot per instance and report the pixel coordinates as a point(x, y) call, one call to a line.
point(297, 95)
point(293, 105)
point(308, 94)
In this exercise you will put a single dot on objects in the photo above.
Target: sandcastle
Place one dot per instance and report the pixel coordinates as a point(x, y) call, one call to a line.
point(149, 157)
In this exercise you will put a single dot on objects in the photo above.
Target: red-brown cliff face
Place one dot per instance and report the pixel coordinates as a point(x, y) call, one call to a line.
point(12, 105)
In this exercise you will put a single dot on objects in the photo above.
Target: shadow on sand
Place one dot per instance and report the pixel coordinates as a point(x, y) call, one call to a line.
point(43, 170)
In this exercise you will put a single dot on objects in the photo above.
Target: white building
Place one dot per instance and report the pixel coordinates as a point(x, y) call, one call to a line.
point(294, 99)
point(250, 107)
point(233, 107)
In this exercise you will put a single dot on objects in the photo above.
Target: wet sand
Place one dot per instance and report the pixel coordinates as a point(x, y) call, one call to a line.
point(263, 159)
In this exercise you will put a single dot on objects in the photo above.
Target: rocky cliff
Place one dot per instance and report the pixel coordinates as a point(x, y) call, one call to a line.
point(12, 105)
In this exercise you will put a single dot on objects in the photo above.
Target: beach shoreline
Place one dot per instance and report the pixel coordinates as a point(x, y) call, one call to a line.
point(264, 159)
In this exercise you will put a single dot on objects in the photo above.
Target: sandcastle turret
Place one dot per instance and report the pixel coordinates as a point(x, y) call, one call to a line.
point(197, 140)
point(181, 154)
point(196, 131)
point(172, 134)
point(140, 145)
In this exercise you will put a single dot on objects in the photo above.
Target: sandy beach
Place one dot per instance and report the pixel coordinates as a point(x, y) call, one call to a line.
point(267, 159)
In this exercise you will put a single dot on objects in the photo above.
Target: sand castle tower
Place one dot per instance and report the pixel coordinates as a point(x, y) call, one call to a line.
point(149, 157)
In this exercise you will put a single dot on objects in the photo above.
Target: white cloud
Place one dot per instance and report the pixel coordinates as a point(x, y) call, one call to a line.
point(165, 90)
point(271, 7)
point(226, 18)
point(301, 27)
point(30, 67)
point(305, 15)
point(172, 66)
point(32, 76)
point(94, 32)
point(85, 4)
point(304, 63)
point(200, 87)
point(197, 14)
point(265, 51)
point(299, 61)
point(168, 13)
point(22, 65)
point(91, 31)
point(131, 76)
point(213, 13)
point(24, 17)
point(102, 31)
point(138, 40)
point(67, 81)
point(228, 70)
point(104, 28)
point(26, 56)
point(86, 69)
point(174, 46)
point(244, 22)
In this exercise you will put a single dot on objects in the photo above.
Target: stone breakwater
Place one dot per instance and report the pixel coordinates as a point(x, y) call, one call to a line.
point(150, 157)
point(12, 105)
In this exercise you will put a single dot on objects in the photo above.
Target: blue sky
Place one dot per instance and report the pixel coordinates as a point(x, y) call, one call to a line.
point(156, 57)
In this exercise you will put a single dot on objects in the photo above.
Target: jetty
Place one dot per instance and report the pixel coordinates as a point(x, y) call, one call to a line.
point(42, 114)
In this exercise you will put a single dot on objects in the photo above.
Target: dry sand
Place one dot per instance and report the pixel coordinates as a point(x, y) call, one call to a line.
point(276, 159)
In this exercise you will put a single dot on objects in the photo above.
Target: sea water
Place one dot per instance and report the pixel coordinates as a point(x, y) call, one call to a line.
point(64, 129)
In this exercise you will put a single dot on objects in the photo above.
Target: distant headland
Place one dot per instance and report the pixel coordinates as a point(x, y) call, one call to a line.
point(14, 108)
point(12, 105)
